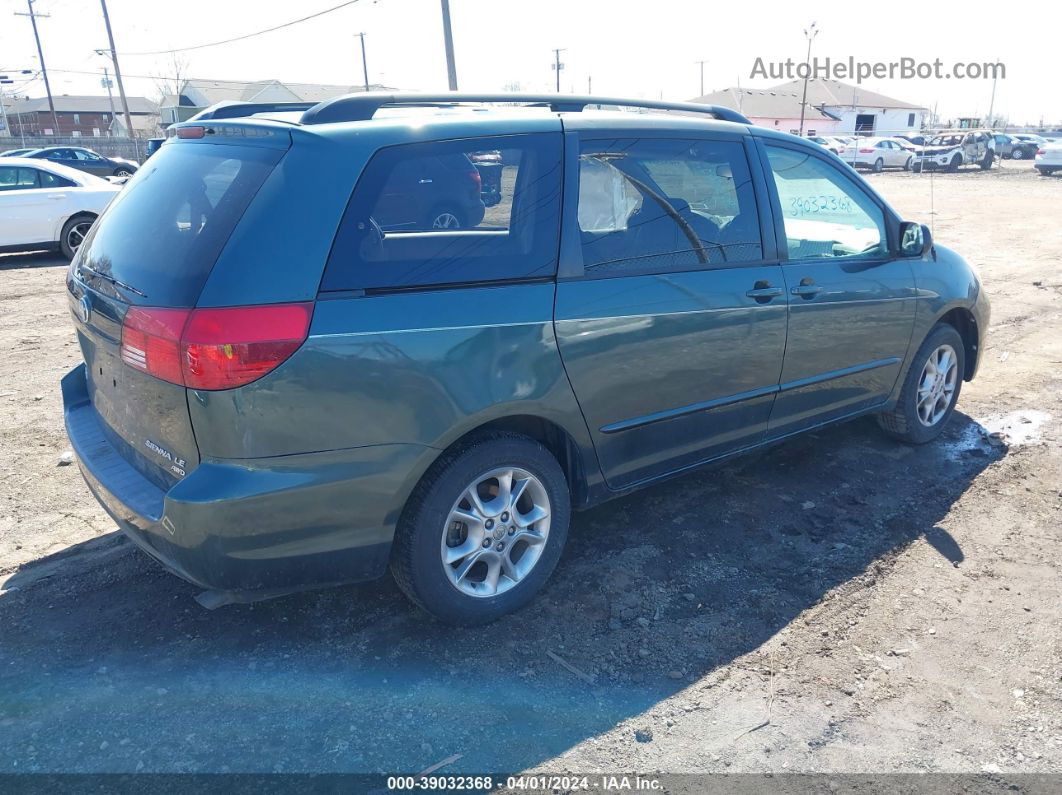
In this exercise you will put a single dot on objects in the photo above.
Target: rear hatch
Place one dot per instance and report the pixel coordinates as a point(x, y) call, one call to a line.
point(149, 257)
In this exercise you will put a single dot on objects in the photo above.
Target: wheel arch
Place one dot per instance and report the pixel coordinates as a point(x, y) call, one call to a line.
point(551, 435)
point(963, 321)
point(63, 221)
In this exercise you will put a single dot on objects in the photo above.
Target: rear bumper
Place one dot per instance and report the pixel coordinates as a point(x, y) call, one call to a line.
point(257, 526)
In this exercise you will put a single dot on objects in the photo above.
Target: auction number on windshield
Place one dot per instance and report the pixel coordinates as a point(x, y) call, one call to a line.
point(823, 203)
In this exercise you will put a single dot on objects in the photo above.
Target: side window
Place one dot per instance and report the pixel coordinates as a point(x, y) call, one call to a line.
point(653, 205)
point(825, 213)
point(28, 178)
point(8, 178)
point(49, 180)
point(444, 212)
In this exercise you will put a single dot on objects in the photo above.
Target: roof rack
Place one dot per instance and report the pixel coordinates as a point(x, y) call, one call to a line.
point(363, 106)
point(233, 109)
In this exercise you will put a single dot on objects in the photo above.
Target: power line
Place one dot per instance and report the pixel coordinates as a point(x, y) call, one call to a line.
point(247, 35)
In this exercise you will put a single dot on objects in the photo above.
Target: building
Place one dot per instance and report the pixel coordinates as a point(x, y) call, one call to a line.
point(79, 116)
point(859, 109)
point(778, 110)
point(196, 95)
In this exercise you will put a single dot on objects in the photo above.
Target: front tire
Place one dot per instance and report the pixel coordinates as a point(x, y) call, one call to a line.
point(1016, 154)
point(907, 164)
point(956, 161)
point(930, 390)
point(123, 172)
point(74, 232)
point(483, 530)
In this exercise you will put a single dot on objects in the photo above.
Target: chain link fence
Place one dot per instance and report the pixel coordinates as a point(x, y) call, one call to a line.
point(108, 147)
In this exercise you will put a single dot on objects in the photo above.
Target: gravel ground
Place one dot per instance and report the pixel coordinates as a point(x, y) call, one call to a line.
point(841, 603)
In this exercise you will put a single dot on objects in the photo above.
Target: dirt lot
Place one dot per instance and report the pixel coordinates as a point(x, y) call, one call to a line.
point(841, 603)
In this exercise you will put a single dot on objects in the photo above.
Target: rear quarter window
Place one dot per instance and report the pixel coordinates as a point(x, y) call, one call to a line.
point(444, 212)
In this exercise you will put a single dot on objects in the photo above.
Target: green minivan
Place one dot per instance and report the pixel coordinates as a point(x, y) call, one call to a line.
point(417, 331)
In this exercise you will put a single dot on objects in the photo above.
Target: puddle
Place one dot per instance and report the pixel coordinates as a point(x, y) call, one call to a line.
point(1014, 429)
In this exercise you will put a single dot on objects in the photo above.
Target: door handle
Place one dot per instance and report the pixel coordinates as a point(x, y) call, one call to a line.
point(56, 196)
point(424, 182)
point(806, 290)
point(765, 293)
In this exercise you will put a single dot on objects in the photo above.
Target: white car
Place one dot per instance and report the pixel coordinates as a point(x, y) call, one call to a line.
point(1049, 158)
point(47, 205)
point(878, 154)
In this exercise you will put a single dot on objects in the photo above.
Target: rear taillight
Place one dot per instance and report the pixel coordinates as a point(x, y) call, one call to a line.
point(866, 151)
point(213, 348)
point(1041, 151)
point(474, 174)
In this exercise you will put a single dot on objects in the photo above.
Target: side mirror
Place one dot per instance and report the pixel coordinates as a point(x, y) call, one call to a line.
point(915, 239)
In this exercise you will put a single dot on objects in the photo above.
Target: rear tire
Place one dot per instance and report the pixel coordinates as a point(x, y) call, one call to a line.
point(917, 417)
point(1016, 154)
point(74, 231)
point(879, 166)
point(907, 164)
point(441, 520)
point(123, 172)
point(986, 164)
point(446, 217)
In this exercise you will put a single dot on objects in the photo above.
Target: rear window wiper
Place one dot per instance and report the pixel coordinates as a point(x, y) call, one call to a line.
point(112, 280)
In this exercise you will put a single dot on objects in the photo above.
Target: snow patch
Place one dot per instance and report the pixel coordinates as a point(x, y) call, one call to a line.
point(1013, 429)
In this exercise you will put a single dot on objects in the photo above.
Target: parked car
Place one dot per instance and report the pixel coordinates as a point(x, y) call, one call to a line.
point(279, 393)
point(878, 154)
point(15, 152)
point(829, 144)
point(1014, 147)
point(914, 140)
point(152, 146)
point(435, 192)
point(85, 160)
point(1049, 158)
point(950, 151)
point(46, 205)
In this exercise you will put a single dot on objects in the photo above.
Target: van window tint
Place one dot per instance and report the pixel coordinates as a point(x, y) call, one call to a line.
point(443, 212)
point(825, 213)
point(164, 231)
point(656, 205)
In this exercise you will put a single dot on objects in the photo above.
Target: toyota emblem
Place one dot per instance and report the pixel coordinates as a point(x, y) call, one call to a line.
point(84, 309)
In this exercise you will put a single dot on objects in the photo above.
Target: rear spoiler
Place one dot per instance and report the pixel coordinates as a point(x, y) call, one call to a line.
point(363, 106)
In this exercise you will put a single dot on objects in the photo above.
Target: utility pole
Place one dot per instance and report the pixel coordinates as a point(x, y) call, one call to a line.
point(40, 54)
point(992, 102)
point(448, 42)
point(810, 34)
point(557, 65)
point(107, 83)
point(702, 63)
point(364, 63)
point(4, 79)
point(118, 77)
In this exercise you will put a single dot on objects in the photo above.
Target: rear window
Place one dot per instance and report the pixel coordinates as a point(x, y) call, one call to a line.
point(165, 230)
point(445, 212)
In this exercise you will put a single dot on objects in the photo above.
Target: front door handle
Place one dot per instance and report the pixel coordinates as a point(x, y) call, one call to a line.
point(763, 292)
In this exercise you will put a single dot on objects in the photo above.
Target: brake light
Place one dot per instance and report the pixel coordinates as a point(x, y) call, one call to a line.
point(1041, 151)
point(866, 151)
point(475, 175)
point(191, 132)
point(213, 349)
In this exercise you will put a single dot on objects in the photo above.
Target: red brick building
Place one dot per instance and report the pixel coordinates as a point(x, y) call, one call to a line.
point(80, 116)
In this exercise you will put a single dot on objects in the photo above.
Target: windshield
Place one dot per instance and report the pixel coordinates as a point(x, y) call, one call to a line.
point(160, 238)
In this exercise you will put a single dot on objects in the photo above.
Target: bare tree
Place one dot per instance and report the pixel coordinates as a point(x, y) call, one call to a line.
point(170, 79)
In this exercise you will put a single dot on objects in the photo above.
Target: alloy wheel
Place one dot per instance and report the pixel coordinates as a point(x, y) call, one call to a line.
point(936, 385)
point(495, 532)
point(76, 234)
point(445, 220)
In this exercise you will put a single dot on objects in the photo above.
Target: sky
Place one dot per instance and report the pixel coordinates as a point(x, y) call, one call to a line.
point(647, 49)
